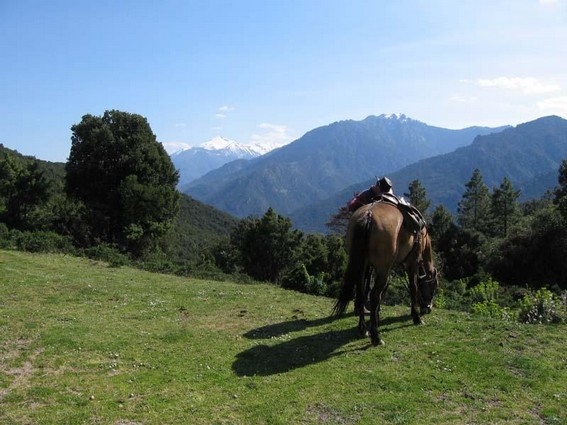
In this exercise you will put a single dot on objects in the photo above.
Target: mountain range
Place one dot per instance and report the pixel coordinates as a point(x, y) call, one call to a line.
point(197, 161)
point(325, 161)
point(309, 179)
point(529, 155)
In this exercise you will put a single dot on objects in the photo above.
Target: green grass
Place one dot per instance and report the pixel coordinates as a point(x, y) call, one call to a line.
point(83, 343)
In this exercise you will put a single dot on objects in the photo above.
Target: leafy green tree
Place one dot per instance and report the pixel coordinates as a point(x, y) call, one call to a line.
point(441, 222)
point(533, 254)
point(417, 196)
point(125, 178)
point(267, 246)
point(504, 207)
point(314, 253)
point(473, 211)
point(23, 189)
point(336, 259)
point(462, 252)
point(324, 259)
point(338, 222)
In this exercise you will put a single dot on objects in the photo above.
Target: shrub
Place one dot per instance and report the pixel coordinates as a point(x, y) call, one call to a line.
point(4, 236)
point(543, 307)
point(108, 253)
point(491, 309)
point(398, 290)
point(452, 295)
point(485, 291)
point(298, 279)
point(41, 242)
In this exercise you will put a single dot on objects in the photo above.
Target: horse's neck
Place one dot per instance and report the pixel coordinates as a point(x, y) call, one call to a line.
point(427, 253)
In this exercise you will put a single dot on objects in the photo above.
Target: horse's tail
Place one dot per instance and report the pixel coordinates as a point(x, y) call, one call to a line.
point(355, 266)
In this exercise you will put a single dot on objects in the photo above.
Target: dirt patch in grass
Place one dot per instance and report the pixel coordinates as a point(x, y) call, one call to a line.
point(327, 415)
point(20, 375)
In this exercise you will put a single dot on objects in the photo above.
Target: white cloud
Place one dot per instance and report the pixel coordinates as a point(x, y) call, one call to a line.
point(527, 85)
point(554, 105)
point(226, 108)
point(223, 110)
point(271, 135)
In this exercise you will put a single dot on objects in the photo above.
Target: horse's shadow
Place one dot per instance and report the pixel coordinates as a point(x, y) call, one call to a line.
point(265, 360)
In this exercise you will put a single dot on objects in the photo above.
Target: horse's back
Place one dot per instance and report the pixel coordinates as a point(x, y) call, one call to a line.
point(388, 242)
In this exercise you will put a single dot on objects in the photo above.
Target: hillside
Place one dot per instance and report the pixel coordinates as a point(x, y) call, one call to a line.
point(325, 160)
point(85, 343)
point(196, 227)
point(54, 172)
point(527, 154)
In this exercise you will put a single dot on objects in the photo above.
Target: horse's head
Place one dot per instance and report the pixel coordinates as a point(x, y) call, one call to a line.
point(427, 284)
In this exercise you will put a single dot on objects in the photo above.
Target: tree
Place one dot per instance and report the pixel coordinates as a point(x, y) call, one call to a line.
point(124, 177)
point(560, 193)
point(339, 221)
point(441, 222)
point(533, 254)
point(23, 188)
point(267, 246)
point(417, 196)
point(473, 211)
point(504, 207)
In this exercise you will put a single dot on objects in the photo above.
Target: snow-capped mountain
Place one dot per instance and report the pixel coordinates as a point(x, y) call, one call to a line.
point(197, 161)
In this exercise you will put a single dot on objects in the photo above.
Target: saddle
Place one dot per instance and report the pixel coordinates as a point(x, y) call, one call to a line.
point(413, 219)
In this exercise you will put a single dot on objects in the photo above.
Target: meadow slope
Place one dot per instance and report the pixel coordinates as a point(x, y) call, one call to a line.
point(83, 343)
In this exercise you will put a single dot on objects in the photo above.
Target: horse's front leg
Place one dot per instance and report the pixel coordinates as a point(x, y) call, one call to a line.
point(414, 301)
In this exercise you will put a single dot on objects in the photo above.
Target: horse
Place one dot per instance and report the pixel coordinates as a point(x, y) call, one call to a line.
point(377, 239)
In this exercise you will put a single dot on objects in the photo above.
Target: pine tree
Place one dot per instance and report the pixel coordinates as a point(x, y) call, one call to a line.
point(504, 208)
point(417, 196)
point(473, 211)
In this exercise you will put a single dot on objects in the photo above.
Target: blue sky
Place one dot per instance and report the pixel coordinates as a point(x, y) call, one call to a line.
point(271, 70)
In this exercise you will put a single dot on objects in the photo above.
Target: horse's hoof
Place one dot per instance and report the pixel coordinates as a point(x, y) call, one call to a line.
point(418, 321)
point(377, 341)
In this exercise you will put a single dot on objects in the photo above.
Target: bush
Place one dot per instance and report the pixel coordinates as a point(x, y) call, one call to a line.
point(108, 253)
point(452, 295)
point(490, 308)
point(543, 307)
point(398, 291)
point(298, 279)
point(486, 291)
point(41, 242)
point(4, 236)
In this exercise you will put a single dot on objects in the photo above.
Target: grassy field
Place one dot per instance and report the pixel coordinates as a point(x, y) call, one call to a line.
point(83, 343)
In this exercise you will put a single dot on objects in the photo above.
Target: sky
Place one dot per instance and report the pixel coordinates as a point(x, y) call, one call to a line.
point(268, 71)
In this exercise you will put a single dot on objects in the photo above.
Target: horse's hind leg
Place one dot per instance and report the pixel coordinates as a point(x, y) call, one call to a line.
point(360, 301)
point(380, 284)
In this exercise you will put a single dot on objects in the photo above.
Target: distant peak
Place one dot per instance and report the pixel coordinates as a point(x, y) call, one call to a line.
point(218, 143)
point(395, 116)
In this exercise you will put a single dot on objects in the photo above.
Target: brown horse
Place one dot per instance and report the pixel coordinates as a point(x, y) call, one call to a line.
point(377, 238)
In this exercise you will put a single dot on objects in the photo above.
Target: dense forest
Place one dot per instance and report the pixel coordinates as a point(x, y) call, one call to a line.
point(116, 200)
